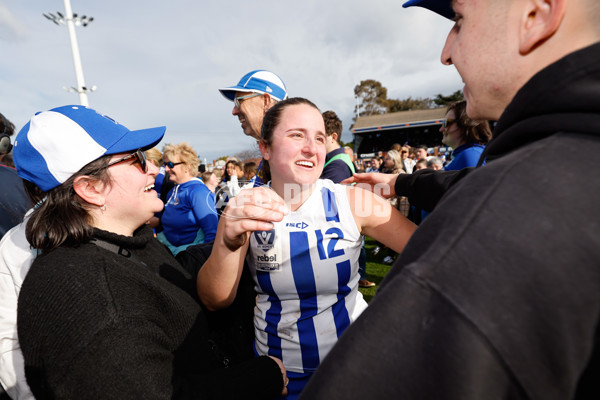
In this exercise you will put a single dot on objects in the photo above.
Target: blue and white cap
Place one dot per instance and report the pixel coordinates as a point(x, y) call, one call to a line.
point(259, 81)
point(56, 144)
point(442, 7)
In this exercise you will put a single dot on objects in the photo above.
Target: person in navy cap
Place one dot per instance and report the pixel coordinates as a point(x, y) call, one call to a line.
point(105, 310)
point(252, 97)
point(496, 296)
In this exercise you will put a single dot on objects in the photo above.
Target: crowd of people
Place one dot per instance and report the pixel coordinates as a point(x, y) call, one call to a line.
point(131, 272)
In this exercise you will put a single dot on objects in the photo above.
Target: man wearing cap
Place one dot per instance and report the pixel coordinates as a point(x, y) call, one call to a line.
point(252, 97)
point(497, 293)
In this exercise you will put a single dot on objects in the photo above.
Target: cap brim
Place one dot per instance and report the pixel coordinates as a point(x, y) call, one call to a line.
point(141, 139)
point(229, 92)
point(441, 7)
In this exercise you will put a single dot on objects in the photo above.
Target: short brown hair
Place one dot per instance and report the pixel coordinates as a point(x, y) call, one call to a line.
point(332, 124)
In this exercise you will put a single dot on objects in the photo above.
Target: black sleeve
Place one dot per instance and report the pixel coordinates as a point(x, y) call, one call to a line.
point(426, 187)
point(411, 343)
point(231, 328)
point(257, 378)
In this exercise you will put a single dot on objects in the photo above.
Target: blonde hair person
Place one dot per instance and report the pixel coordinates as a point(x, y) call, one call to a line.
point(392, 163)
point(190, 216)
point(155, 156)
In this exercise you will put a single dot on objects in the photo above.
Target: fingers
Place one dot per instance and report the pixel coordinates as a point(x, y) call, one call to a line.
point(260, 204)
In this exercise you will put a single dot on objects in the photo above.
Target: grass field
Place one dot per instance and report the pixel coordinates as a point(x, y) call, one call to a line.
point(376, 269)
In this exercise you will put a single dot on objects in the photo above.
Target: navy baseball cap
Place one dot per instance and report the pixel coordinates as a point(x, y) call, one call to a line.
point(259, 81)
point(56, 144)
point(442, 7)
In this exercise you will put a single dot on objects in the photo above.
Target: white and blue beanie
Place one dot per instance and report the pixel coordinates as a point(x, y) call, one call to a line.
point(259, 81)
point(56, 144)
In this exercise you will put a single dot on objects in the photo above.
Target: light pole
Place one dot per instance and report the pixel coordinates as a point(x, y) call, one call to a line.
point(71, 20)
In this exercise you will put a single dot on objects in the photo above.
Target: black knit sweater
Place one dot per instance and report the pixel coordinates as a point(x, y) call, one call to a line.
point(96, 324)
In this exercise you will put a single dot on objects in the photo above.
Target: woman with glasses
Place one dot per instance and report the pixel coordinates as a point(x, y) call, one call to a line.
point(466, 136)
point(190, 216)
point(304, 261)
point(105, 310)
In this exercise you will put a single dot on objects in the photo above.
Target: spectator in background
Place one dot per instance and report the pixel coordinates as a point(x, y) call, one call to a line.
point(420, 164)
point(16, 257)
point(338, 164)
point(234, 180)
point(190, 216)
point(376, 163)
point(252, 97)
point(435, 163)
point(408, 163)
point(13, 200)
point(211, 180)
point(250, 170)
point(466, 136)
point(421, 152)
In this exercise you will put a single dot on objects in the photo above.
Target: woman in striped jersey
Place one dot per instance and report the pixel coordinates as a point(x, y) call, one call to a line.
point(301, 237)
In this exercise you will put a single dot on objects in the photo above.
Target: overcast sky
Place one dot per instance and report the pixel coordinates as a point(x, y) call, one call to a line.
point(161, 62)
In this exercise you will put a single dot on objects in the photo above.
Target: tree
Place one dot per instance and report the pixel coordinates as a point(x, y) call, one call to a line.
point(372, 97)
point(418, 103)
point(442, 100)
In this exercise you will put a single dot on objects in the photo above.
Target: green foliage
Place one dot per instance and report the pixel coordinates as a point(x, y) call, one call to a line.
point(372, 99)
point(441, 100)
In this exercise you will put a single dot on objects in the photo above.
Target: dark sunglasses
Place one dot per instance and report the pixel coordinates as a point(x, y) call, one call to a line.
point(447, 122)
point(172, 165)
point(139, 155)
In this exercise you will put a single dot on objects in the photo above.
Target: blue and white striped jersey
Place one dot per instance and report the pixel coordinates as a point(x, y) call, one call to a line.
point(306, 275)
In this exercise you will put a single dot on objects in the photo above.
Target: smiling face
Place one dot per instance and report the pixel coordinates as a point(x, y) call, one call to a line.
point(180, 172)
point(130, 198)
point(483, 46)
point(297, 151)
point(250, 113)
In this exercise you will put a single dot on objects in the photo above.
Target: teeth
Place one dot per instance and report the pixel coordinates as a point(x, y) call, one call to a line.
point(305, 163)
point(149, 188)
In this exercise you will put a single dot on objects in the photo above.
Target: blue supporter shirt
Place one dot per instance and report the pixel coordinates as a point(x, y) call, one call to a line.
point(465, 156)
point(190, 209)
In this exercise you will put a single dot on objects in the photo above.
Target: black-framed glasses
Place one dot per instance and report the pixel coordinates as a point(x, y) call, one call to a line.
point(447, 122)
point(172, 165)
point(139, 155)
point(236, 100)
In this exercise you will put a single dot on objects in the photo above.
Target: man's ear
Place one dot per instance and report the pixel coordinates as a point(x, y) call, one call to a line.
point(264, 149)
point(267, 102)
point(90, 190)
point(541, 20)
point(334, 136)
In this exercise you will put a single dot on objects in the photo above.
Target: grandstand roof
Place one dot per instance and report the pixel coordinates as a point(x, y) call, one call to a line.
point(399, 120)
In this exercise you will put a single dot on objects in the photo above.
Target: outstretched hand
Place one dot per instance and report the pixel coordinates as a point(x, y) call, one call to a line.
point(378, 183)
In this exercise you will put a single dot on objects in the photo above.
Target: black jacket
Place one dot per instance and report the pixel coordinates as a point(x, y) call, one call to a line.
point(497, 294)
point(13, 200)
point(96, 324)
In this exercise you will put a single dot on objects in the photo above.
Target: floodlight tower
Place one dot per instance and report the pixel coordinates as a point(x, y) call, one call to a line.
point(72, 20)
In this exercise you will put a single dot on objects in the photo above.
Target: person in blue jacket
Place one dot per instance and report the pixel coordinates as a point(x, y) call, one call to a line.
point(466, 136)
point(190, 216)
